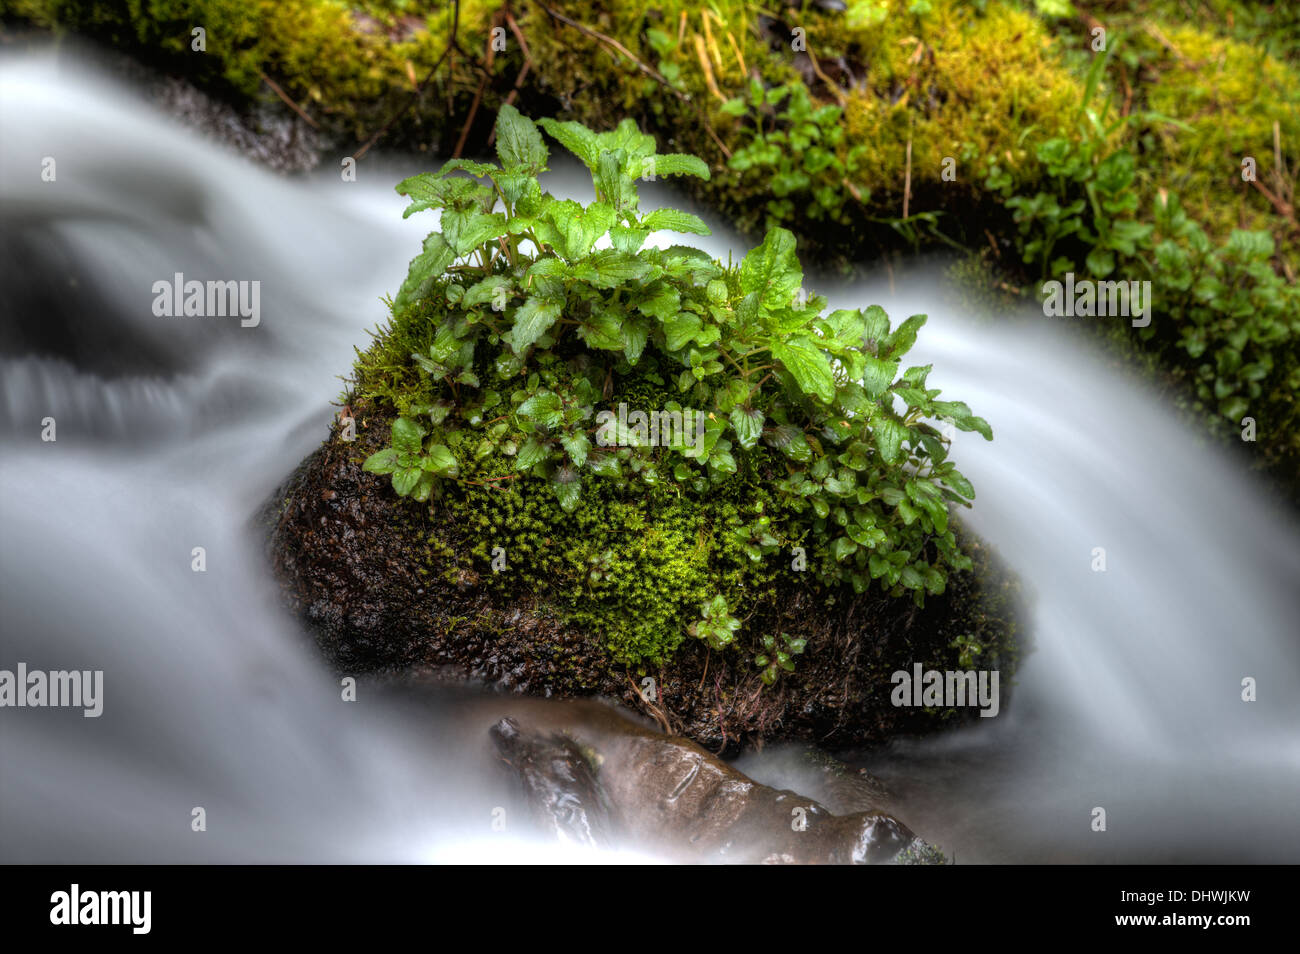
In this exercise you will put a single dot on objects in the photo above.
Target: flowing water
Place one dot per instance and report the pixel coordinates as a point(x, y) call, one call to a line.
point(172, 431)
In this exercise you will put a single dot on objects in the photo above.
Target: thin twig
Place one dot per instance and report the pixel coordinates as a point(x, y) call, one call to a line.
point(744, 71)
point(478, 97)
point(907, 175)
point(288, 102)
point(707, 67)
point(830, 84)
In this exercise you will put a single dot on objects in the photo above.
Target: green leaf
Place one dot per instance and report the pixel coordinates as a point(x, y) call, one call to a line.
point(440, 460)
point(576, 138)
point(545, 408)
point(875, 327)
point(903, 337)
point(772, 270)
point(466, 233)
point(748, 425)
point(518, 141)
point(381, 462)
point(568, 493)
point(626, 239)
point(612, 184)
point(635, 332)
point(680, 329)
point(476, 169)
point(878, 375)
point(405, 479)
point(671, 220)
point(488, 290)
point(408, 437)
point(533, 452)
point(577, 445)
point(843, 548)
point(660, 300)
point(611, 268)
point(426, 268)
point(532, 320)
point(807, 364)
point(425, 190)
point(602, 330)
point(680, 164)
point(889, 435)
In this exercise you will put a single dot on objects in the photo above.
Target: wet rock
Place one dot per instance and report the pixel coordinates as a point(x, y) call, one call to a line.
point(358, 565)
point(674, 798)
point(559, 784)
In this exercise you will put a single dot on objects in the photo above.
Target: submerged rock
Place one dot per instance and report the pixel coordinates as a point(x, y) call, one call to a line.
point(637, 788)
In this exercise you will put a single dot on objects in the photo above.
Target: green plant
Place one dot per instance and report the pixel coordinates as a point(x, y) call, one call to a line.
point(530, 326)
point(778, 656)
point(716, 626)
point(1239, 319)
point(794, 145)
point(1091, 193)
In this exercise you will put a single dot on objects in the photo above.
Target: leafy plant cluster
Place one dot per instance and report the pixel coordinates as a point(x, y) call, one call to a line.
point(793, 143)
point(1090, 197)
point(1223, 311)
point(542, 309)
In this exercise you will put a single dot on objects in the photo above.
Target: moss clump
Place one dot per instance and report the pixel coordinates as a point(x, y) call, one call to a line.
point(349, 67)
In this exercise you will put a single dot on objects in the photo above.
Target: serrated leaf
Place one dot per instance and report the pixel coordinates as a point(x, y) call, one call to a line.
point(569, 494)
point(532, 320)
point(468, 232)
point(635, 332)
point(425, 270)
point(545, 408)
point(807, 364)
point(680, 329)
point(575, 137)
point(439, 460)
point(889, 435)
point(660, 300)
point(875, 327)
point(577, 445)
point(877, 375)
point(518, 141)
point(533, 452)
point(477, 169)
point(772, 270)
point(902, 338)
point(602, 330)
point(487, 290)
point(671, 220)
point(680, 164)
point(613, 268)
point(405, 479)
point(425, 190)
point(626, 239)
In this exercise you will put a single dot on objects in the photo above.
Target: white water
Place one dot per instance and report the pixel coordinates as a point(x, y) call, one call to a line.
point(172, 431)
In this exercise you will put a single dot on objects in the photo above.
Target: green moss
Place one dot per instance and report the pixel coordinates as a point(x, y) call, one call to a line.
point(347, 65)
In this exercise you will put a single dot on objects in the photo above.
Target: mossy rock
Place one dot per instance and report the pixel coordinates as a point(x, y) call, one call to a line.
point(388, 585)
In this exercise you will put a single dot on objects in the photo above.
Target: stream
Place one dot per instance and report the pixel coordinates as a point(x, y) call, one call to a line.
point(171, 432)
